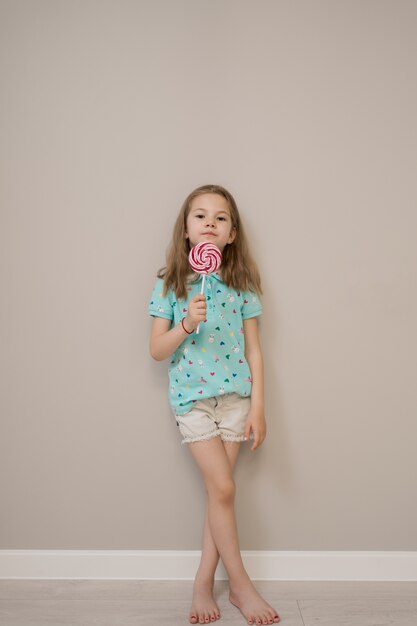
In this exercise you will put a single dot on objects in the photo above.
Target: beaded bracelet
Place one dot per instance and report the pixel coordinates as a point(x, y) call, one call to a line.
point(182, 324)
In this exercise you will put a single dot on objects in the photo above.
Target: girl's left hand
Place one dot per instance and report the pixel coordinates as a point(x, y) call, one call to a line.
point(255, 422)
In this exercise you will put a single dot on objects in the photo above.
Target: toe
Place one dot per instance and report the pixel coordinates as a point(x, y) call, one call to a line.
point(193, 618)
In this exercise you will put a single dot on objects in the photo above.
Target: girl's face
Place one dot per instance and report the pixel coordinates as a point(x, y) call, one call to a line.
point(209, 219)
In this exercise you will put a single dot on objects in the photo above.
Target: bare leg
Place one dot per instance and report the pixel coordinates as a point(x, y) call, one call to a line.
point(204, 608)
point(215, 467)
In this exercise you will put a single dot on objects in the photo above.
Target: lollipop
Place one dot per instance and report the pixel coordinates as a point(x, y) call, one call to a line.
point(204, 258)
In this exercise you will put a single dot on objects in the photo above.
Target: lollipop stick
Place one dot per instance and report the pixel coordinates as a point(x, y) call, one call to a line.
point(202, 290)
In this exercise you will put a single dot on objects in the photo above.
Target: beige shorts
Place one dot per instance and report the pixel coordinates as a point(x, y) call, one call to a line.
point(220, 416)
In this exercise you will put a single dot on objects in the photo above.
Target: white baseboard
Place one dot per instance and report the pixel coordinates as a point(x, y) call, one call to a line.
point(182, 565)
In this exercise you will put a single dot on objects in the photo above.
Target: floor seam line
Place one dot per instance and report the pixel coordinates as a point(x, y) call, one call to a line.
point(301, 615)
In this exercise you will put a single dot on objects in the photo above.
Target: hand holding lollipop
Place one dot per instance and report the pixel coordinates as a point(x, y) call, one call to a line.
point(204, 258)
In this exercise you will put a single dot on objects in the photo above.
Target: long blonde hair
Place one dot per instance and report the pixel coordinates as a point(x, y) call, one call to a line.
point(238, 269)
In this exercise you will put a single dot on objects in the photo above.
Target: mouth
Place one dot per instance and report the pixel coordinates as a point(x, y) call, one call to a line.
point(211, 234)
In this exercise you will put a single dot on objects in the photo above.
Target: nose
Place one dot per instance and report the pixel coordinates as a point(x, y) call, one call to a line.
point(209, 222)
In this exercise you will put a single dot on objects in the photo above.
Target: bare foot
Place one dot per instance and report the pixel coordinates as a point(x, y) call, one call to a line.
point(203, 608)
point(252, 606)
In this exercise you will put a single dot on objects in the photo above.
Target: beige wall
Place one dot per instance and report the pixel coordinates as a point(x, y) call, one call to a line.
point(111, 113)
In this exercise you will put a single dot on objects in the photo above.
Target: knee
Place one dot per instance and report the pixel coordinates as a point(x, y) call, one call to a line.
point(224, 491)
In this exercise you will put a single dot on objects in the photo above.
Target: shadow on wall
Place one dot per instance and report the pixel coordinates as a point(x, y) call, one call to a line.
point(266, 474)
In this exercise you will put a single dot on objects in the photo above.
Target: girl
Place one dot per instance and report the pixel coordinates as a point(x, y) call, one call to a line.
point(216, 380)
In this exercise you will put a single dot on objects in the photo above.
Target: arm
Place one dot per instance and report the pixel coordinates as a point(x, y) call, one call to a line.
point(165, 341)
point(256, 418)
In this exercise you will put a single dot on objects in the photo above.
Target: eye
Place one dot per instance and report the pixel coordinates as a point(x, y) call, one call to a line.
point(222, 218)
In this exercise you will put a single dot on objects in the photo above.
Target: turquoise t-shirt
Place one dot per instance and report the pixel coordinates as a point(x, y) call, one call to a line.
point(213, 362)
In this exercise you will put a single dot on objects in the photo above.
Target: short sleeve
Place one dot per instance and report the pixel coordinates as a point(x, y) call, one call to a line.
point(159, 305)
point(251, 305)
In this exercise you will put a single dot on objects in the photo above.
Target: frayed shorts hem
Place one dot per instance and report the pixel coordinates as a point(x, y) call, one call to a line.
point(215, 433)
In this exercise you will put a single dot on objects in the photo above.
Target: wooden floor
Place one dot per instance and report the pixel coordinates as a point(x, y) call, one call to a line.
point(133, 603)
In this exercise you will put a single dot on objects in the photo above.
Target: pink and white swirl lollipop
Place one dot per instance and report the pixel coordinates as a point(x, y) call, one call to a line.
point(204, 258)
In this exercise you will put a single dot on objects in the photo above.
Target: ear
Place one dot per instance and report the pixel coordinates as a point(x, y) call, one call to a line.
point(232, 235)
